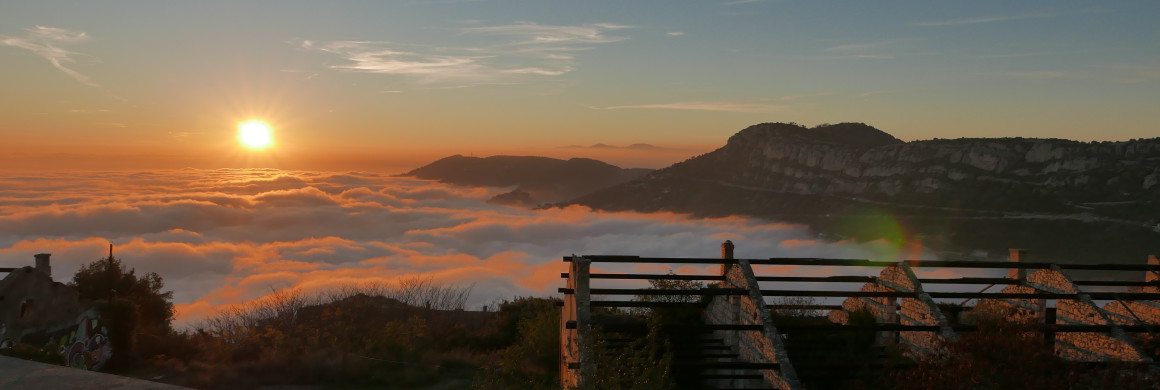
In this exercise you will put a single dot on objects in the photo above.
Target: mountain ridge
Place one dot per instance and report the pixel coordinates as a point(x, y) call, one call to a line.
point(537, 179)
point(818, 176)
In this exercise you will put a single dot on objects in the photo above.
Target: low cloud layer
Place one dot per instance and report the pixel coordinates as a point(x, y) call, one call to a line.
point(227, 236)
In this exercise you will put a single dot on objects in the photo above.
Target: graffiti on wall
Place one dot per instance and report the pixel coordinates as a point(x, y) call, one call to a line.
point(86, 347)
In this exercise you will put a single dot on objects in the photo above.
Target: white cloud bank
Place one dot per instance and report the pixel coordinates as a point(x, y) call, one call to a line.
point(226, 236)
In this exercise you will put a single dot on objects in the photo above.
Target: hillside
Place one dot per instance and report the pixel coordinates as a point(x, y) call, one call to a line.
point(537, 179)
point(1059, 198)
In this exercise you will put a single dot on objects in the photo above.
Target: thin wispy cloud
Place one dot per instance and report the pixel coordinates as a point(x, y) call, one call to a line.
point(885, 49)
point(532, 33)
point(89, 111)
point(541, 71)
point(46, 42)
point(759, 105)
point(991, 19)
point(725, 106)
point(378, 57)
point(872, 93)
point(1038, 75)
point(521, 49)
point(788, 98)
point(855, 46)
point(675, 33)
point(739, 2)
point(1137, 73)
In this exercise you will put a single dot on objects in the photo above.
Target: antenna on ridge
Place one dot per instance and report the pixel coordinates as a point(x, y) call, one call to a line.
point(111, 275)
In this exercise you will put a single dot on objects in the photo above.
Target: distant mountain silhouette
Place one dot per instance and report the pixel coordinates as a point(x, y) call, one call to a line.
point(641, 147)
point(537, 179)
point(1050, 195)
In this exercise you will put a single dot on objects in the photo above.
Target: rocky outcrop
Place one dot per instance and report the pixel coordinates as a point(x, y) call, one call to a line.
point(789, 172)
point(856, 160)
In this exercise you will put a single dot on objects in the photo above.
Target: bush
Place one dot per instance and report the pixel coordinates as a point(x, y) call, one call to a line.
point(530, 327)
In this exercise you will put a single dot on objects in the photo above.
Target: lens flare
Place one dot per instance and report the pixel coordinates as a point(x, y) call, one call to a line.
point(887, 236)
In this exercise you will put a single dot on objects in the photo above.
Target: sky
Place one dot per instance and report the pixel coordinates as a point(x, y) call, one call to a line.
point(388, 85)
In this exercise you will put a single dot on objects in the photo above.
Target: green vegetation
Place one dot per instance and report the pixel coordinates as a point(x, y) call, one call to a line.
point(139, 313)
point(413, 334)
point(1010, 355)
point(526, 336)
point(641, 364)
point(36, 354)
point(836, 359)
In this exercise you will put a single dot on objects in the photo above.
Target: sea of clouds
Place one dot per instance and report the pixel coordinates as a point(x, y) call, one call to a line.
point(221, 237)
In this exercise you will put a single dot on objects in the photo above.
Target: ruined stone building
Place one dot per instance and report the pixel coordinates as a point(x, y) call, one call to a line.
point(38, 312)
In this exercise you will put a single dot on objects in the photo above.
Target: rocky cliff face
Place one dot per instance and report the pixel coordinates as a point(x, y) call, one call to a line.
point(786, 171)
point(856, 160)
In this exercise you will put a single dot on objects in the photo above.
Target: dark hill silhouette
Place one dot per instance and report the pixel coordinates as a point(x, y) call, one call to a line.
point(538, 179)
point(363, 314)
point(842, 134)
point(639, 147)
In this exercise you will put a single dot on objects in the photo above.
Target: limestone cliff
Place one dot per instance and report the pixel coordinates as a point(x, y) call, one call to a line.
point(790, 172)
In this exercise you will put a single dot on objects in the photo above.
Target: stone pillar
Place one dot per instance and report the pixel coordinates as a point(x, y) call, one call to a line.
point(733, 313)
point(891, 307)
point(42, 263)
point(920, 309)
point(580, 269)
point(1017, 256)
point(576, 360)
point(1153, 274)
point(1038, 306)
point(726, 254)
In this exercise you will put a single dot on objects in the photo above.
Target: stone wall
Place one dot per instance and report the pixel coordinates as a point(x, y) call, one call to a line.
point(1084, 346)
point(1145, 312)
point(920, 310)
point(1115, 345)
point(917, 308)
point(1142, 312)
point(765, 346)
point(884, 310)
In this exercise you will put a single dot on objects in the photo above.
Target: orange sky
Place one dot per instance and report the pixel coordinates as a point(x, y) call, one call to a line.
point(357, 85)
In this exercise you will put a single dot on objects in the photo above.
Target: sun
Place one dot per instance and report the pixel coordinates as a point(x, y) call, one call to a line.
point(255, 135)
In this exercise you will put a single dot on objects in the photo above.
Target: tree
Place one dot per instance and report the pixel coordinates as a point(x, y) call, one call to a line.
point(134, 306)
point(529, 329)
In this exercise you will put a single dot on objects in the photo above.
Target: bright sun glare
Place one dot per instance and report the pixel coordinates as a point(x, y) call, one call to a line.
point(255, 134)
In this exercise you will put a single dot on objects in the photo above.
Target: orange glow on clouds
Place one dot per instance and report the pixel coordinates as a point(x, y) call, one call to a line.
point(222, 237)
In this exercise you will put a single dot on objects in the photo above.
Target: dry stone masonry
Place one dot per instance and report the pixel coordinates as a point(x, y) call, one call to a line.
point(906, 315)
